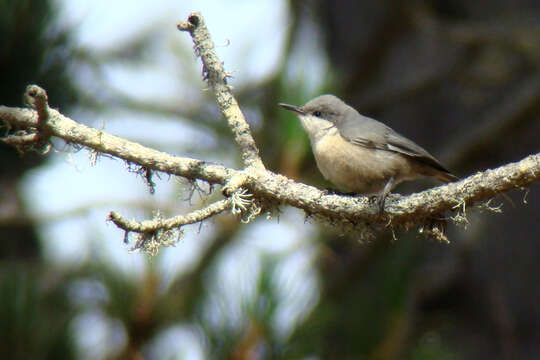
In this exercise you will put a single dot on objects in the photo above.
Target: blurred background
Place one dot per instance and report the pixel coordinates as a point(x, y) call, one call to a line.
point(461, 78)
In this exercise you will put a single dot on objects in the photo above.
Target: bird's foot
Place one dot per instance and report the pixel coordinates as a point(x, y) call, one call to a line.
point(378, 200)
point(381, 197)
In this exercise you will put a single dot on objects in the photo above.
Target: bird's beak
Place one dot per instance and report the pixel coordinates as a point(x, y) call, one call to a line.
point(296, 109)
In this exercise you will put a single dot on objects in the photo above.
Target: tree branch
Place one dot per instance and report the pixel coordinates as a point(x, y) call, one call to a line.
point(277, 188)
point(102, 142)
point(216, 76)
point(36, 97)
point(254, 188)
point(171, 223)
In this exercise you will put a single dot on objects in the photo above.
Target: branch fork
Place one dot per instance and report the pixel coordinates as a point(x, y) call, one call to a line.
point(33, 137)
point(253, 188)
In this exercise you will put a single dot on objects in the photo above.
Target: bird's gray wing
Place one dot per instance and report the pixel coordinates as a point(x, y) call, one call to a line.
point(399, 143)
point(364, 131)
point(373, 134)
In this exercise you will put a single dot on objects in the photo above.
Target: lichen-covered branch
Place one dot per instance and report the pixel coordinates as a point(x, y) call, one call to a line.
point(268, 186)
point(72, 132)
point(36, 97)
point(216, 76)
point(37, 139)
point(148, 226)
point(412, 209)
point(252, 189)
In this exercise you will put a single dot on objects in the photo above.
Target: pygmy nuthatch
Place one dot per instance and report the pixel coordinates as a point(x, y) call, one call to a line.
point(359, 154)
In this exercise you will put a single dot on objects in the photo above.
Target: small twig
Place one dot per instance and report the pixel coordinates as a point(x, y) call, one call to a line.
point(21, 140)
point(33, 137)
point(149, 226)
point(216, 76)
point(37, 97)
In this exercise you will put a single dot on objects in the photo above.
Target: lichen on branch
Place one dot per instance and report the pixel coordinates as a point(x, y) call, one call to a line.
point(249, 190)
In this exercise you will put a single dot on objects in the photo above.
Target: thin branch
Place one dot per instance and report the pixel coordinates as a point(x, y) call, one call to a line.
point(149, 226)
point(20, 141)
point(20, 218)
point(36, 138)
point(102, 142)
point(36, 97)
point(216, 76)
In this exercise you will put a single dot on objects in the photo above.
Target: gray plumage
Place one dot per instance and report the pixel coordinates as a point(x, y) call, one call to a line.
point(360, 154)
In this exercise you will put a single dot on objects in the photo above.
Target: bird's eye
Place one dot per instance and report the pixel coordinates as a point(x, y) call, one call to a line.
point(316, 113)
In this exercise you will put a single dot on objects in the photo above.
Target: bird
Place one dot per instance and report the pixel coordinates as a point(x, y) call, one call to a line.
point(361, 155)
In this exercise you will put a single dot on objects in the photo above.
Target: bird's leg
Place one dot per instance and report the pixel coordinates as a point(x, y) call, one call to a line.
point(381, 197)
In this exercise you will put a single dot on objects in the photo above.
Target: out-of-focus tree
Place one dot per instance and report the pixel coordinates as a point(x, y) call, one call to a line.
point(34, 311)
point(453, 77)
